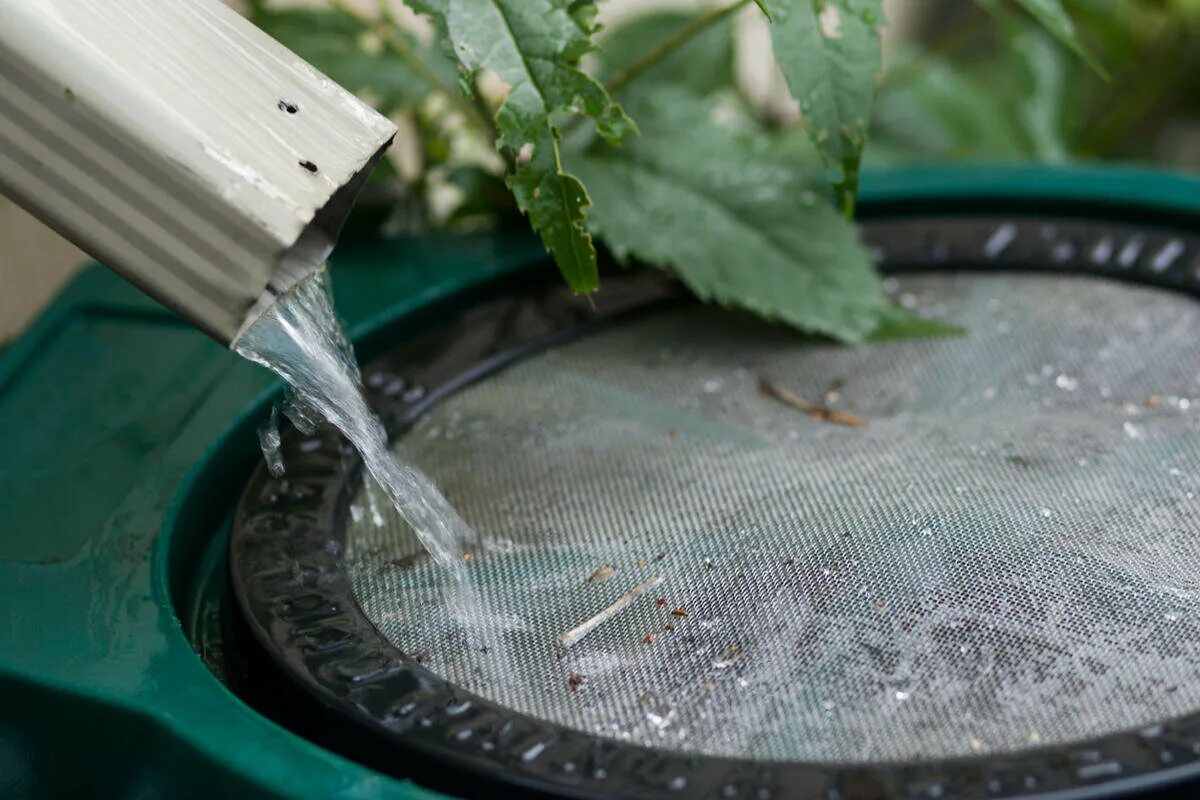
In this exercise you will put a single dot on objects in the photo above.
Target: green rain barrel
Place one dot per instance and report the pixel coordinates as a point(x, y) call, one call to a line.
point(957, 566)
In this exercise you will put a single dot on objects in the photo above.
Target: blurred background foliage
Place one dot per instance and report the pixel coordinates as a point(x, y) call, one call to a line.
point(961, 82)
point(958, 84)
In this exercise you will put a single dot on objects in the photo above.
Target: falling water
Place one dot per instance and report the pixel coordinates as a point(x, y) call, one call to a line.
point(301, 339)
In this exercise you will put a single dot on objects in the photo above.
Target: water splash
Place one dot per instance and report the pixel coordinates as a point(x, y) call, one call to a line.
point(301, 339)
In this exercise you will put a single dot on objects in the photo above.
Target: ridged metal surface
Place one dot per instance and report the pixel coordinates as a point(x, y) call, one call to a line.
point(178, 144)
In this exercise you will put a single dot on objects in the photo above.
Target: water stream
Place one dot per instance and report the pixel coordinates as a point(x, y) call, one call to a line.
point(301, 339)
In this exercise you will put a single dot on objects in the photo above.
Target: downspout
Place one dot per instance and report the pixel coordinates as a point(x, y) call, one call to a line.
point(181, 146)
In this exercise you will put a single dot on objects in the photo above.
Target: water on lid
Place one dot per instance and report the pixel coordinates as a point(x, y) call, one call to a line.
point(1004, 555)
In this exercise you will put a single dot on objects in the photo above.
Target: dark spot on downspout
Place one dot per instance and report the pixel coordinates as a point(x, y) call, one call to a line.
point(290, 108)
point(308, 165)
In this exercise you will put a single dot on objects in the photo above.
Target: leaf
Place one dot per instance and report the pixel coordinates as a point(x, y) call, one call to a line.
point(713, 202)
point(897, 323)
point(1051, 15)
point(333, 41)
point(704, 64)
point(944, 112)
point(1044, 96)
point(1017, 104)
point(535, 47)
point(829, 53)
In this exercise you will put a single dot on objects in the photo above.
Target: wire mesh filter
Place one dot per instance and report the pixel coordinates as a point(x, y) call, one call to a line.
point(1002, 556)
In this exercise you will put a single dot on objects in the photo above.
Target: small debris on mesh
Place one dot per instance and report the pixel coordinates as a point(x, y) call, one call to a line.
point(573, 636)
point(733, 649)
point(1152, 401)
point(645, 697)
point(880, 607)
point(708, 564)
point(575, 681)
point(467, 556)
point(670, 626)
point(817, 412)
point(660, 556)
point(602, 573)
point(641, 562)
point(649, 638)
point(679, 612)
point(418, 656)
point(662, 601)
point(672, 433)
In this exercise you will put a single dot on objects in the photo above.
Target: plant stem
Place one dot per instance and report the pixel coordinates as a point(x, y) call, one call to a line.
point(386, 28)
point(670, 45)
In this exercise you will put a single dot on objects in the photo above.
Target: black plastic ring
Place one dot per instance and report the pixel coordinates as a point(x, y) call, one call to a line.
point(368, 700)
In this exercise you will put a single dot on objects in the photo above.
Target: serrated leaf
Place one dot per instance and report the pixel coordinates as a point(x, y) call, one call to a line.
point(829, 53)
point(334, 42)
point(1052, 16)
point(741, 227)
point(535, 46)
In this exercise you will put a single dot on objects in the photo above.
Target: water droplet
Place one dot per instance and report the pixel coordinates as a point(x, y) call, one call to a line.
point(1133, 431)
point(902, 695)
point(1066, 383)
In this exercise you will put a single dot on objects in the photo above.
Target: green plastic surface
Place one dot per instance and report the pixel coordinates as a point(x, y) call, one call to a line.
point(127, 439)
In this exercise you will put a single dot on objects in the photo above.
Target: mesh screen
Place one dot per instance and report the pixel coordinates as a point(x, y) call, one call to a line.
point(1003, 556)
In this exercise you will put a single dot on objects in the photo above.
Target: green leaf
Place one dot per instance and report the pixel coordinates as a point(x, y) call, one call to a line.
point(334, 42)
point(829, 53)
point(1051, 15)
point(740, 226)
point(1044, 96)
point(535, 47)
point(704, 64)
point(944, 113)
point(897, 323)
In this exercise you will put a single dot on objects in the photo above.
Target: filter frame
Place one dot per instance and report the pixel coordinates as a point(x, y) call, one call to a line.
point(371, 702)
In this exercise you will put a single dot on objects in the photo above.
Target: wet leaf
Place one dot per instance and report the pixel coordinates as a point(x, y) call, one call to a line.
point(534, 46)
point(829, 53)
point(741, 227)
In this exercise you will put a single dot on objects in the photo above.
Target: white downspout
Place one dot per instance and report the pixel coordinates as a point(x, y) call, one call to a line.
point(180, 145)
